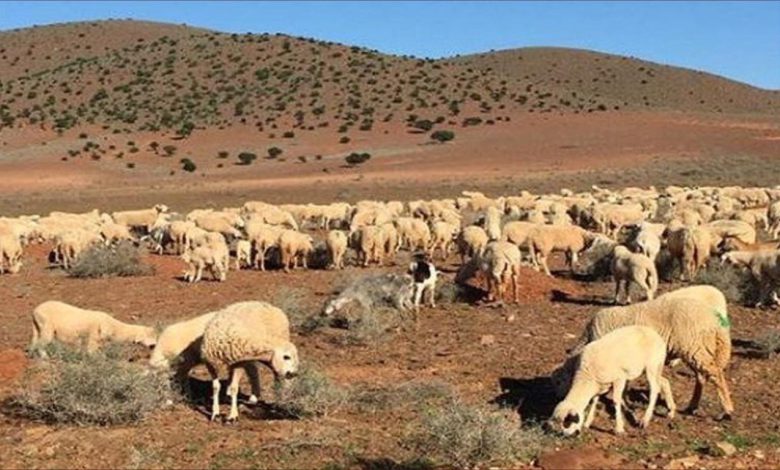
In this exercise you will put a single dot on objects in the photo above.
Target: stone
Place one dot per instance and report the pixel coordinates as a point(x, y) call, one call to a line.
point(726, 447)
point(487, 340)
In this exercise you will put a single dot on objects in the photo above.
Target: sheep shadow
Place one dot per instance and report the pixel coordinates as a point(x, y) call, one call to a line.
point(564, 297)
point(197, 393)
point(750, 349)
point(534, 398)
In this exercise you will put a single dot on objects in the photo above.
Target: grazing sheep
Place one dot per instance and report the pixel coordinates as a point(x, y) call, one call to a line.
point(243, 254)
point(690, 246)
point(492, 222)
point(241, 333)
point(369, 244)
point(414, 233)
point(71, 244)
point(53, 320)
point(694, 327)
point(202, 257)
point(10, 252)
point(263, 237)
point(115, 233)
point(733, 228)
point(764, 267)
point(293, 246)
point(647, 239)
point(630, 267)
point(500, 262)
point(442, 234)
point(610, 362)
point(471, 242)
point(544, 239)
point(735, 244)
point(336, 241)
point(140, 219)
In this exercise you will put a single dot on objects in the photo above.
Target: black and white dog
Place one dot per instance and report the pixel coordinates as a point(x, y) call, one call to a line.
point(424, 275)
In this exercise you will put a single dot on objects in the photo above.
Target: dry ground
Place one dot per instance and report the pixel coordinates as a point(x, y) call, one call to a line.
point(445, 347)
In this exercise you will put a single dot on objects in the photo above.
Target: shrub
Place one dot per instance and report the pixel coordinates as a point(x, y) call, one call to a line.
point(288, 135)
point(222, 154)
point(356, 158)
point(464, 436)
point(309, 394)
point(423, 124)
point(101, 388)
point(768, 344)
point(102, 261)
point(344, 140)
point(274, 152)
point(246, 158)
point(415, 392)
point(472, 121)
point(442, 136)
point(737, 286)
point(169, 150)
point(295, 302)
point(188, 165)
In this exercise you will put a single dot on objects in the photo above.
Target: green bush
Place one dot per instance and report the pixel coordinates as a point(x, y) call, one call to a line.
point(121, 260)
point(246, 158)
point(423, 124)
point(101, 388)
point(356, 158)
point(442, 136)
point(188, 165)
point(274, 152)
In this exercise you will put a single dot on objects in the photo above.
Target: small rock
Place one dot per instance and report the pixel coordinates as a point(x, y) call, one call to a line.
point(683, 463)
point(759, 454)
point(570, 336)
point(727, 448)
point(510, 318)
point(487, 340)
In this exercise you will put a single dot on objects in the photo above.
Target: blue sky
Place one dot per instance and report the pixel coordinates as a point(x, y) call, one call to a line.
point(740, 40)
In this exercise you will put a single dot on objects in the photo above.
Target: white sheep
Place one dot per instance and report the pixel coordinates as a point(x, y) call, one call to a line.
point(500, 263)
point(202, 257)
point(609, 363)
point(442, 234)
point(695, 325)
point(293, 246)
point(244, 333)
point(54, 320)
point(243, 254)
point(10, 252)
point(471, 242)
point(545, 239)
point(336, 242)
point(140, 219)
point(634, 268)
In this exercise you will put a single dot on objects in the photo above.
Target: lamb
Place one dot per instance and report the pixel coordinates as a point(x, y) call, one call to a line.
point(500, 262)
point(243, 254)
point(202, 257)
point(54, 320)
point(336, 242)
point(695, 326)
point(610, 362)
point(293, 246)
point(471, 242)
point(244, 333)
point(630, 267)
point(140, 219)
point(544, 239)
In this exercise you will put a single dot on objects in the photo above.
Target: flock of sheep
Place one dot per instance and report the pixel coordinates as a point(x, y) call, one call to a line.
point(494, 235)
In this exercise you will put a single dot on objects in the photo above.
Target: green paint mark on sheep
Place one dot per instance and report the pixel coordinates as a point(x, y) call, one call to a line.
point(723, 319)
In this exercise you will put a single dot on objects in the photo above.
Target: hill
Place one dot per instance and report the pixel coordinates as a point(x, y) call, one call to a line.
point(140, 76)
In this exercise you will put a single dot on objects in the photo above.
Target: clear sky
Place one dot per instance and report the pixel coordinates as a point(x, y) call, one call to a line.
point(739, 40)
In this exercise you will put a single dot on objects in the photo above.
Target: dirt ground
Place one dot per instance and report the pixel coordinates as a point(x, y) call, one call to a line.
point(449, 345)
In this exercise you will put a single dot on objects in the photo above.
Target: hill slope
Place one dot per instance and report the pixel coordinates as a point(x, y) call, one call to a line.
point(136, 76)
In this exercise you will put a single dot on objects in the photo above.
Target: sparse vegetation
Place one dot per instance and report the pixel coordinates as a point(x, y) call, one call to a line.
point(442, 136)
point(311, 393)
point(188, 165)
point(737, 286)
point(121, 260)
point(101, 388)
point(356, 158)
point(246, 158)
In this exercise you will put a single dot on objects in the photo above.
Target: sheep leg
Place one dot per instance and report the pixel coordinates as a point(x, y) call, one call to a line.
point(697, 391)
point(666, 392)
point(617, 398)
point(543, 262)
point(592, 413)
point(723, 394)
point(215, 386)
point(652, 380)
point(618, 283)
point(515, 287)
point(235, 379)
point(253, 374)
point(199, 273)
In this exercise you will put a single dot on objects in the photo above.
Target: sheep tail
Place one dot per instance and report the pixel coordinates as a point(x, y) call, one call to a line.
point(722, 353)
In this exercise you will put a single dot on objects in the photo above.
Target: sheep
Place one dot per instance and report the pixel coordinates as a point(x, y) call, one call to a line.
point(517, 232)
point(471, 242)
point(263, 237)
point(442, 234)
point(544, 239)
point(114, 233)
point(695, 325)
point(690, 246)
point(293, 246)
point(734, 228)
point(492, 222)
point(647, 239)
point(71, 244)
point(415, 234)
point(218, 222)
point(242, 333)
point(140, 219)
point(205, 256)
point(630, 267)
point(390, 240)
point(500, 261)
point(178, 230)
point(10, 252)
point(336, 242)
point(764, 267)
point(54, 320)
point(734, 244)
point(369, 243)
point(610, 362)
point(243, 254)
